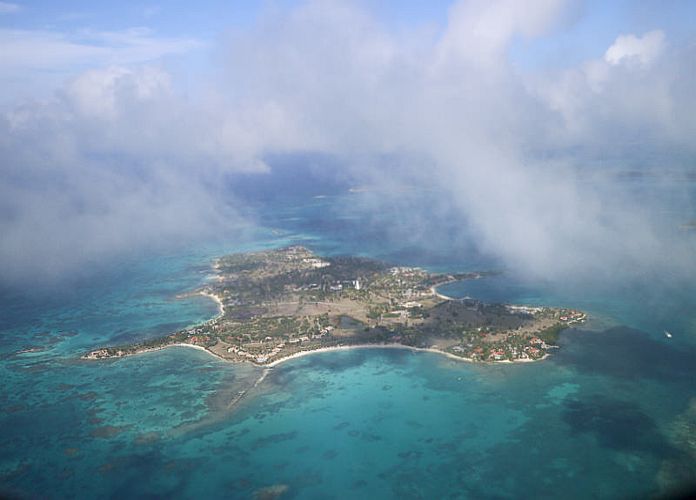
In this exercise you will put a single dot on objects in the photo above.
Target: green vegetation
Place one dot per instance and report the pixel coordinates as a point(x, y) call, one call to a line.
point(550, 335)
point(280, 302)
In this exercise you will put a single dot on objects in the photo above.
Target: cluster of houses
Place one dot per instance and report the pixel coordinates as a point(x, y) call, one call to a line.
point(316, 263)
point(496, 354)
point(417, 292)
point(538, 342)
point(407, 272)
point(267, 353)
point(259, 358)
point(411, 304)
point(534, 350)
point(524, 309)
point(102, 354)
point(567, 316)
point(199, 329)
point(410, 273)
point(573, 317)
point(528, 352)
point(403, 310)
point(336, 286)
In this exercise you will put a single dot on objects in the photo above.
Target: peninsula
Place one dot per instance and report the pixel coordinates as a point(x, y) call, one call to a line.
point(283, 303)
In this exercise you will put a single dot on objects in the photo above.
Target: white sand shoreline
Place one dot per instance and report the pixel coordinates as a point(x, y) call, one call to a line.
point(301, 354)
point(218, 301)
point(366, 346)
point(434, 290)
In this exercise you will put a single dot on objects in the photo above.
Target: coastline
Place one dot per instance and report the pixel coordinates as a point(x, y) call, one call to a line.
point(366, 346)
point(178, 344)
point(434, 290)
point(302, 354)
point(395, 346)
point(206, 292)
point(442, 296)
point(218, 301)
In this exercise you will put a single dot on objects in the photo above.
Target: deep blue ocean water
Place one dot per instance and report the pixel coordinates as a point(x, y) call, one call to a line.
point(602, 418)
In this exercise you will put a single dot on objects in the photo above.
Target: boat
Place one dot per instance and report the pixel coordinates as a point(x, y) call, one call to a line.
point(668, 335)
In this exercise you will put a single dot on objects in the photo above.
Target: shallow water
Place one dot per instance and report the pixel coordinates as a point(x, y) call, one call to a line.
point(601, 418)
point(380, 423)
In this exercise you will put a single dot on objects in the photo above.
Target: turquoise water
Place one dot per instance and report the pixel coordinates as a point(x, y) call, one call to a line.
point(599, 419)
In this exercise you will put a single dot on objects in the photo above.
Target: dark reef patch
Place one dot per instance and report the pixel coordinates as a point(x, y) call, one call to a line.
point(616, 424)
point(273, 438)
point(622, 352)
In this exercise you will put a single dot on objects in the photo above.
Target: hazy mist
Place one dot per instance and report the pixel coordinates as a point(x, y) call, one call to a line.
point(532, 160)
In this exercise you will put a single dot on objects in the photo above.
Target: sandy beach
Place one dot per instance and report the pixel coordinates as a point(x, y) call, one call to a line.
point(217, 299)
point(179, 344)
point(344, 348)
point(340, 348)
point(276, 362)
point(435, 292)
point(442, 295)
point(392, 346)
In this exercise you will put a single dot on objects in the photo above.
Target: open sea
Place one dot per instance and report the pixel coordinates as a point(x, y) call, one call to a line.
point(612, 414)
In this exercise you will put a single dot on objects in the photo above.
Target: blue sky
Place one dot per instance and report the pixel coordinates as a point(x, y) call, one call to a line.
point(185, 35)
point(596, 23)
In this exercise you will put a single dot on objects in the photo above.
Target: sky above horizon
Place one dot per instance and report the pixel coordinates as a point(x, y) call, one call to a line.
point(122, 122)
point(51, 42)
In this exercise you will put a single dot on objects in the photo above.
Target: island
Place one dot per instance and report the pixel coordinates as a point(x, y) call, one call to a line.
point(283, 303)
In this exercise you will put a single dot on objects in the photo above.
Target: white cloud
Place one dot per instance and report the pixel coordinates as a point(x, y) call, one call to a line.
point(125, 152)
point(636, 93)
point(115, 162)
point(630, 48)
point(458, 107)
point(95, 92)
point(479, 31)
